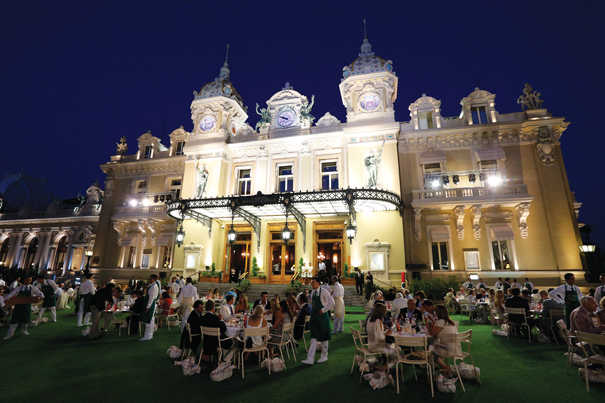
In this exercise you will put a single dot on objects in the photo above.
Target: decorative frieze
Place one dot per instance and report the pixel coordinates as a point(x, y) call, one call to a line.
point(459, 214)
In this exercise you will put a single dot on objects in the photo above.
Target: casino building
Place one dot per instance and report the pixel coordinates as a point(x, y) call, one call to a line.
point(480, 192)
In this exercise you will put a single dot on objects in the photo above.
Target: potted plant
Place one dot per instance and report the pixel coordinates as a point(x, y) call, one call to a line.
point(256, 276)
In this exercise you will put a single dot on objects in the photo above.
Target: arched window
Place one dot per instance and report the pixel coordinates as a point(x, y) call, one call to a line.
point(60, 255)
point(4, 252)
point(31, 253)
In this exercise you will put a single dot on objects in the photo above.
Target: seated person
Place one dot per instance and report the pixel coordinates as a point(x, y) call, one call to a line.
point(194, 320)
point(450, 301)
point(377, 335)
point(216, 293)
point(242, 304)
point(264, 301)
point(299, 324)
point(211, 319)
point(525, 293)
point(443, 331)
point(585, 319)
point(227, 310)
point(548, 303)
point(398, 304)
point(419, 296)
point(165, 303)
point(137, 308)
point(281, 316)
point(410, 314)
point(516, 301)
point(428, 313)
point(257, 319)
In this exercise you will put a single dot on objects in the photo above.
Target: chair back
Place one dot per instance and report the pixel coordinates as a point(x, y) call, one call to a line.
point(591, 339)
point(256, 331)
point(557, 314)
point(412, 341)
point(520, 312)
point(211, 331)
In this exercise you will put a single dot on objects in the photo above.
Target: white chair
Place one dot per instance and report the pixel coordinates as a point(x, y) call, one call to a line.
point(214, 332)
point(520, 313)
point(361, 351)
point(464, 338)
point(187, 350)
point(418, 356)
point(569, 337)
point(586, 343)
point(285, 339)
point(262, 349)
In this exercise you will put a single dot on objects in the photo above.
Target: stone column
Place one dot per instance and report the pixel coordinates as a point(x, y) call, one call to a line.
point(42, 252)
point(67, 260)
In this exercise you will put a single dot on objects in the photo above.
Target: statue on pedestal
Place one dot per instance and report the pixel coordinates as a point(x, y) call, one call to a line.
point(530, 99)
point(372, 162)
point(201, 180)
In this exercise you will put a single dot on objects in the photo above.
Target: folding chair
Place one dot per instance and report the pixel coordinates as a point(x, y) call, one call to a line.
point(555, 315)
point(214, 332)
point(286, 340)
point(590, 340)
point(520, 313)
point(361, 350)
point(420, 356)
point(569, 338)
point(261, 349)
point(187, 351)
point(464, 338)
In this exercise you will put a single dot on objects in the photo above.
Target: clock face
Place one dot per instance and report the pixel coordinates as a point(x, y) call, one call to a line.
point(286, 117)
point(207, 123)
point(369, 101)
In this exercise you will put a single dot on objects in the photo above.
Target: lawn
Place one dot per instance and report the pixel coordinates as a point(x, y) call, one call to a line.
point(56, 364)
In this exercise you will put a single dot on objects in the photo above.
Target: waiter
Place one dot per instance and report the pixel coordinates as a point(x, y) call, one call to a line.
point(84, 299)
point(49, 289)
point(153, 293)
point(187, 296)
point(23, 309)
point(321, 303)
point(568, 294)
point(600, 291)
point(358, 281)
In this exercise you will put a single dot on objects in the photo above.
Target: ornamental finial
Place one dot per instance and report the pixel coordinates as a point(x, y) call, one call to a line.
point(226, 55)
point(365, 29)
point(530, 99)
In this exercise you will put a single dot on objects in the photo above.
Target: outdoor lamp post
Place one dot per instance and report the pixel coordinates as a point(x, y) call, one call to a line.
point(88, 254)
point(351, 231)
point(231, 235)
point(180, 236)
point(587, 248)
point(286, 234)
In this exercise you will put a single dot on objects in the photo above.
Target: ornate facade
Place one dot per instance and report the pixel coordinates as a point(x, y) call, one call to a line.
point(481, 192)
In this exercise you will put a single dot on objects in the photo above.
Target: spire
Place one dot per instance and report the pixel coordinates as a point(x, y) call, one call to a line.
point(366, 47)
point(224, 72)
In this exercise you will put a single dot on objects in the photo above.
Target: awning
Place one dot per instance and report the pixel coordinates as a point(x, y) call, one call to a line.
point(501, 232)
point(431, 157)
point(490, 153)
point(439, 233)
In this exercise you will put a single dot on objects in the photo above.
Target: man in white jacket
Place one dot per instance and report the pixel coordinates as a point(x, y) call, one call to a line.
point(153, 293)
point(321, 304)
point(85, 294)
point(187, 297)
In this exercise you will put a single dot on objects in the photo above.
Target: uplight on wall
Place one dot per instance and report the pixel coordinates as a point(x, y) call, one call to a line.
point(587, 248)
point(494, 180)
point(435, 183)
point(133, 202)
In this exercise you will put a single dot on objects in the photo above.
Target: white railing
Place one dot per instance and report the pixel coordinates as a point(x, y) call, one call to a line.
point(158, 211)
point(475, 193)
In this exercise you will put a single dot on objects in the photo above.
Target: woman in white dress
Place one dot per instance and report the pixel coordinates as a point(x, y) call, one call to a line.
point(377, 335)
point(444, 331)
point(256, 320)
point(338, 293)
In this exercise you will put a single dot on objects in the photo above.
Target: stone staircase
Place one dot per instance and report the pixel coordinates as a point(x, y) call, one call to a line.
point(253, 293)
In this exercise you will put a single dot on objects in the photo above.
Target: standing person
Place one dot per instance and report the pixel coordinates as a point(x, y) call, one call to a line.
point(506, 285)
point(358, 281)
point(174, 287)
point(99, 303)
point(321, 303)
point(187, 296)
point(499, 284)
point(569, 294)
point(369, 285)
point(22, 311)
point(49, 289)
point(528, 284)
point(338, 293)
point(515, 284)
point(153, 293)
point(600, 291)
point(85, 293)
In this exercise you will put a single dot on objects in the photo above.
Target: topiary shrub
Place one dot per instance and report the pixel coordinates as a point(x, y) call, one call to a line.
point(435, 288)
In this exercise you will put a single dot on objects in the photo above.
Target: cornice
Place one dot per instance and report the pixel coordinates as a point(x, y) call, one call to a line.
point(169, 165)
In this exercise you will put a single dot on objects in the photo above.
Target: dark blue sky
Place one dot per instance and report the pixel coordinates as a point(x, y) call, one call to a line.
point(75, 77)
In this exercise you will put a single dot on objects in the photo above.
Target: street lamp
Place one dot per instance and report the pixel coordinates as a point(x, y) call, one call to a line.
point(286, 234)
point(88, 254)
point(231, 235)
point(351, 231)
point(587, 248)
point(180, 236)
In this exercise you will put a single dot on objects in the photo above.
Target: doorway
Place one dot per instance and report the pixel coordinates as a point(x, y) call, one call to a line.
point(329, 245)
point(282, 258)
point(239, 256)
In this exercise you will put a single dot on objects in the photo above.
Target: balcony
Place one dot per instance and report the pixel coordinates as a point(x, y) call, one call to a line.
point(139, 212)
point(504, 195)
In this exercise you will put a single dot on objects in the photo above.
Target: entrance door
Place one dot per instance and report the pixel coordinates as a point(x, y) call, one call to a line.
point(239, 260)
point(283, 261)
point(329, 251)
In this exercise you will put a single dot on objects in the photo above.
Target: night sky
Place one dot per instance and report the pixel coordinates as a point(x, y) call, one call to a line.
point(75, 77)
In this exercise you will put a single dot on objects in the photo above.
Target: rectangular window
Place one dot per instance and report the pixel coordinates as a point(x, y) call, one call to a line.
point(425, 120)
point(439, 252)
point(175, 188)
point(471, 259)
point(488, 165)
point(141, 186)
point(432, 172)
point(479, 115)
point(244, 182)
point(329, 175)
point(148, 152)
point(501, 252)
point(285, 178)
point(180, 146)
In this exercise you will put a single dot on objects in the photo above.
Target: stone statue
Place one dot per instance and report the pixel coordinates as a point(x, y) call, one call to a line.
point(94, 194)
point(305, 110)
point(372, 161)
point(265, 117)
point(202, 179)
point(530, 99)
point(122, 147)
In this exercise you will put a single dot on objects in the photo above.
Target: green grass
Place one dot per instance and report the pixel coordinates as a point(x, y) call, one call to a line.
point(56, 364)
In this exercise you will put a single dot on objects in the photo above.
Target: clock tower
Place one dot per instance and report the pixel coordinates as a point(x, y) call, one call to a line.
point(369, 87)
point(287, 109)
